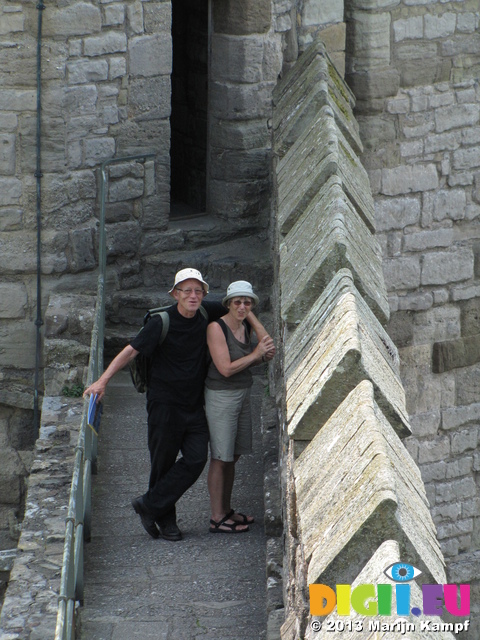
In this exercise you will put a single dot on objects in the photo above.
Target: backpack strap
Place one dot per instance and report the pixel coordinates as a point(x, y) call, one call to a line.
point(224, 328)
point(160, 311)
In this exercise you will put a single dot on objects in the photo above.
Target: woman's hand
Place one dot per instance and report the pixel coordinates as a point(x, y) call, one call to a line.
point(265, 349)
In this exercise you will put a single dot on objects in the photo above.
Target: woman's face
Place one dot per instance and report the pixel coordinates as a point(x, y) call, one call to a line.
point(240, 306)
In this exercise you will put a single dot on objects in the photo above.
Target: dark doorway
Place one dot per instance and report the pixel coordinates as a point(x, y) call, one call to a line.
point(188, 150)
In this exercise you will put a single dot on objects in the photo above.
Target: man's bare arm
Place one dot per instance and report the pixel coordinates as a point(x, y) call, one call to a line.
point(120, 361)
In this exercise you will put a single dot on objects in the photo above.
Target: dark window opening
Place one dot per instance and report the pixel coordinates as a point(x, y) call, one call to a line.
point(188, 149)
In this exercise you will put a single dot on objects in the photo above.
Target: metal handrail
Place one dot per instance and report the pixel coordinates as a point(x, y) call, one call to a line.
point(78, 520)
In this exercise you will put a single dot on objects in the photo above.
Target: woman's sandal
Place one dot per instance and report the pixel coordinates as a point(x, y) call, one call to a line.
point(244, 520)
point(231, 528)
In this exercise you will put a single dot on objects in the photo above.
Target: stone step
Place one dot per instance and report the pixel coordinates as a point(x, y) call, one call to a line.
point(240, 259)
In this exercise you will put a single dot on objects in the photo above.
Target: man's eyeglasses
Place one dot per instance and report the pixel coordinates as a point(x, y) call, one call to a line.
point(247, 303)
point(188, 292)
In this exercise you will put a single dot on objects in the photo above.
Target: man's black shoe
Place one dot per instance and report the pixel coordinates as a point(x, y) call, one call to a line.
point(148, 521)
point(170, 531)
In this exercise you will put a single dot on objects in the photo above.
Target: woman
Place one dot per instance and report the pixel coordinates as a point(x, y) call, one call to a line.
point(227, 401)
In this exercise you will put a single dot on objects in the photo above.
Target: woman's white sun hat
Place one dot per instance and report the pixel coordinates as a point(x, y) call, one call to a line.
point(240, 289)
point(187, 274)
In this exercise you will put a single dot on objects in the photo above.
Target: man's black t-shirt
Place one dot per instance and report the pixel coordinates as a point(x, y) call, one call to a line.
point(178, 371)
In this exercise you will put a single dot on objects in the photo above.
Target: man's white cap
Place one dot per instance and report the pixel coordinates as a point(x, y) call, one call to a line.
point(240, 289)
point(187, 274)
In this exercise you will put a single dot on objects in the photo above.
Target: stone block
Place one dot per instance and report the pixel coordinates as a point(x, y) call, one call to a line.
point(241, 101)
point(443, 267)
point(77, 101)
point(127, 188)
point(108, 42)
point(123, 239)
point(328, 237)
point(11, 190)
point(7, 154)
point(20, 345)
point(98, 149)
point(319, 153)
point(82, 71)
point(402, 273)
point(466, 159)
point(428, 240)
point(150, 55)
point(455, 116)
point(242, 17)
point(157, 17)
point(150, 98)
point(80, 251)
point(237, 59)
point(333, 37)
point(241, 166)
point(18, 100)
point(388, 553)
point(17, 252)
point(439, 26)
point(315, 14)
point(408, 28)
point(114, 14)
point(407, 179)
point(313, 82)
point(338, 344)
point(13, 300)
point(10, 219)
point(453, 354)
point(240, 135)
point(117, 67)
point(396, 213)
point(78, 19)
point(357, 487)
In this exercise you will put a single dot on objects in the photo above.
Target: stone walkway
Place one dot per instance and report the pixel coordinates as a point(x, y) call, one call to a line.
point(205, 586)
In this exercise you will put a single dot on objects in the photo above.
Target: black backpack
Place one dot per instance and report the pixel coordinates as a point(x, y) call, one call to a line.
point(140, 365)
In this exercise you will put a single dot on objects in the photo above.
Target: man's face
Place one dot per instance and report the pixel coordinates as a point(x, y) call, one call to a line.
point(189, 295)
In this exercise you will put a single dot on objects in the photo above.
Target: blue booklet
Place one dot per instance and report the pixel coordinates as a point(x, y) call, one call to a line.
point(94, 414)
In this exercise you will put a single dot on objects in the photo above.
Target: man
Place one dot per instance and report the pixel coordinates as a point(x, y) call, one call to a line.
point(176, 417)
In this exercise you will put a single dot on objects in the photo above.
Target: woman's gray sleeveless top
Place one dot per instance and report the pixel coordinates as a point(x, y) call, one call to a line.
point(236, 349)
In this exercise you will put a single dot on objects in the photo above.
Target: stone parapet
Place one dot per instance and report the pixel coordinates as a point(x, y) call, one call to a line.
point(371, 491)
point(345, 242)
point(29, 610)
point(354, 499)
point(338, 344)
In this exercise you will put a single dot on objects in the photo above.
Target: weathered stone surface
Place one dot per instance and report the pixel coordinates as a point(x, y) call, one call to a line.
point(453, 354)
point(338, 344)
point(238, 59)
point(13, 300)
point(242, 17)
point(388, 553)
point(366, 490)
point(443, 267)
point(150, 55)
point(320, 152)
point(407, 179)
point(327, 237)
point(31, 599)
point(79, 18)
point(311, 84)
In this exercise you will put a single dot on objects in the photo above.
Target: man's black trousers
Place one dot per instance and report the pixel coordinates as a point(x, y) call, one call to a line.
point(173, 429)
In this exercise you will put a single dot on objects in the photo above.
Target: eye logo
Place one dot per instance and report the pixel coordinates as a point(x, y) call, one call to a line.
point(402, 572)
